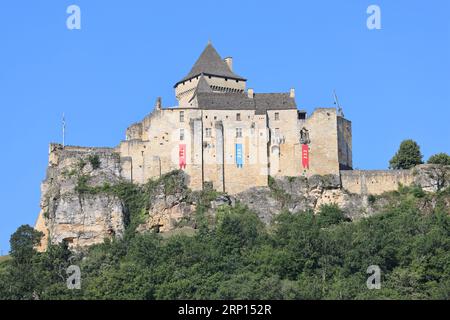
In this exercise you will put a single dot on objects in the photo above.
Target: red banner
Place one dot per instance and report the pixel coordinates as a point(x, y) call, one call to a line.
point(305, 156)
point(182, 156)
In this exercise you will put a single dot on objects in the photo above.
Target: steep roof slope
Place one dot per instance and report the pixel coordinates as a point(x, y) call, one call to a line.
point(210, 63)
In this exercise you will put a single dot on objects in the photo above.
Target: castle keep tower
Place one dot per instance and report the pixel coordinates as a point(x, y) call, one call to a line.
point(217, 73)
point(232, 138)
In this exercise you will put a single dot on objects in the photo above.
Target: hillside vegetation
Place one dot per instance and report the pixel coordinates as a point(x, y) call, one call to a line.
point(233, 255)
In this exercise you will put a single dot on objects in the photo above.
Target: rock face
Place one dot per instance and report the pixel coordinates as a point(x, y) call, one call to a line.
point(296, 194)
point(163, 218)
point(431, 177)
point(169, 204)
point(76, 206)
point(67, 213)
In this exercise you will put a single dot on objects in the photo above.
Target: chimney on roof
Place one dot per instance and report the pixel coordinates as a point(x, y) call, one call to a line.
point(292, 93)
point(229, 62)
point(250, 93)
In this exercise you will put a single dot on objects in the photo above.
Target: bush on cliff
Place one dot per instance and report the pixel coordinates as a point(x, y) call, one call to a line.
point(440, 158)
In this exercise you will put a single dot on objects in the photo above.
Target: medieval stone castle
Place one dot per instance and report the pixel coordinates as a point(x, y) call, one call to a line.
point(235, 138)
point(223, 135)
point(231, 136)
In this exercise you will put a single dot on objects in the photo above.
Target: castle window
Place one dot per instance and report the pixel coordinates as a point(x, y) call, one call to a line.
point(208, 132)
point(238, 117)
point(181, 134)
point(301, 115)
point(181, 116)
point(277, 116)
point(238, 132)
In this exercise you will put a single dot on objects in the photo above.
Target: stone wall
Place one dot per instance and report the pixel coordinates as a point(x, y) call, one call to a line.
point(285, 149)
point(344, 137)
point(323, 149)
point(375, 181)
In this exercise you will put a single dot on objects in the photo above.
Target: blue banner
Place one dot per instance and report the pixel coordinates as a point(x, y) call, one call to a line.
point(239, 158)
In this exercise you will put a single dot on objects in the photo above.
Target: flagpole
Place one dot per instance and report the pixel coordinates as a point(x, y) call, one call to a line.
point(338, 105)
point(63, 131)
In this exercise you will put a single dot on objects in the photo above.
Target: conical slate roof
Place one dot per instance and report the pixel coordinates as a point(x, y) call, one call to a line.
point(210, 63)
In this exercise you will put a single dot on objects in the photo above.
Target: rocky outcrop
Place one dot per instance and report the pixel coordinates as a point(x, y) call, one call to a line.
point(431, 177)
point(296, 194)
point(166, 218)
point(68, 212)
point(169, 204)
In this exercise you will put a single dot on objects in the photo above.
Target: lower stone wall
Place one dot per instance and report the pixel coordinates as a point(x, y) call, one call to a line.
point(375, 181)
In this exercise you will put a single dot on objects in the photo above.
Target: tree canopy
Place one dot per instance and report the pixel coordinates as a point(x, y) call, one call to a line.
point(301, 255)
point(407, 156)
point(440, 158)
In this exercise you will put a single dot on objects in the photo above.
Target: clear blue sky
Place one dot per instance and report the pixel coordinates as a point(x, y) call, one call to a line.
point(392, 83)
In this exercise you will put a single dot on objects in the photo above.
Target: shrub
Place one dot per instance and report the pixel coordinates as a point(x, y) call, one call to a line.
point(81, 164)
point(94, 161)
point(371, 198)
point(82, 185)
point(330, 214)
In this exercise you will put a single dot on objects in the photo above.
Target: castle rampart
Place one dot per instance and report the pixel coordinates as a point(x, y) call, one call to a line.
point(375, 181)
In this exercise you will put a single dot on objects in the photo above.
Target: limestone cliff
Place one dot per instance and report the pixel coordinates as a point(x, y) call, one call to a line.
point(68, 213)
point(170, 202)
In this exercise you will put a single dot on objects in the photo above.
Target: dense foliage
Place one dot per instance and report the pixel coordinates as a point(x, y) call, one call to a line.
point(235, 256)
point(407, 156)
point(440, 158)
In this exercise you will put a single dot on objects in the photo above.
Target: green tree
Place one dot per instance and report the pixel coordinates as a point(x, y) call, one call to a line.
point(440, 158)
point(23, 274)
point(330, 214)
point(23, 242)
point(407, 156)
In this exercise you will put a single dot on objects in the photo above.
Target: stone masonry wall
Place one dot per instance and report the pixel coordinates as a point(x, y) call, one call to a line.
point(375, 181)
